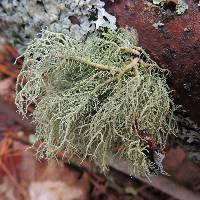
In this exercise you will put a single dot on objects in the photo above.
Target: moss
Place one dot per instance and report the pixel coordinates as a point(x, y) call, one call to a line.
point(89, 95)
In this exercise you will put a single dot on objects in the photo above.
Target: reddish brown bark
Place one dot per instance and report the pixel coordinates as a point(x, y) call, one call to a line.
point(175, 46)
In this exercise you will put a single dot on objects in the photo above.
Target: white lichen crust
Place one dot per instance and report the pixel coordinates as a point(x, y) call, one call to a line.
point(21, 20)
point(181, 5)
point(89, 96)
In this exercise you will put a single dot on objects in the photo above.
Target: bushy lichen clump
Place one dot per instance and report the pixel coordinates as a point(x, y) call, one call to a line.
point(90, 95)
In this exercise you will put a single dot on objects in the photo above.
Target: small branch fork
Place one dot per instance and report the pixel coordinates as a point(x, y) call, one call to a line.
point(129, 50)
point(91, 64)
point(134, 64)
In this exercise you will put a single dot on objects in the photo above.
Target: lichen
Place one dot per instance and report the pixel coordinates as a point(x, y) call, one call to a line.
point(158, 25)
point(95, 99)
point(21, 20)
point(181, 5)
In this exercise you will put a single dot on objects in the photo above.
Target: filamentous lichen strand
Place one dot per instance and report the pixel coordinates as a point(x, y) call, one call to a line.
point(89, 94)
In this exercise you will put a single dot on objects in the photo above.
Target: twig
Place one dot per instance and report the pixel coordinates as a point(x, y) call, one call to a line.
point(160, 182)
point(91, 64)
point(101, 66)
point(128, 50)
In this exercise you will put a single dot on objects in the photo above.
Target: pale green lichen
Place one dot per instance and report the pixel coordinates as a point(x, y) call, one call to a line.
point(89, 95)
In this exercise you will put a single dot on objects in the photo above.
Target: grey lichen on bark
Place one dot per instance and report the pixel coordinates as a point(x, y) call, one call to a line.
point(20, 21)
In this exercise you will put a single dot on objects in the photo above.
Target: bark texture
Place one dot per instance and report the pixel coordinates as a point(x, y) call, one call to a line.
point(175, 45)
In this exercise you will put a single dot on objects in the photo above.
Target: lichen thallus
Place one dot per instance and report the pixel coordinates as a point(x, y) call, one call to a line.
point(87, 95)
